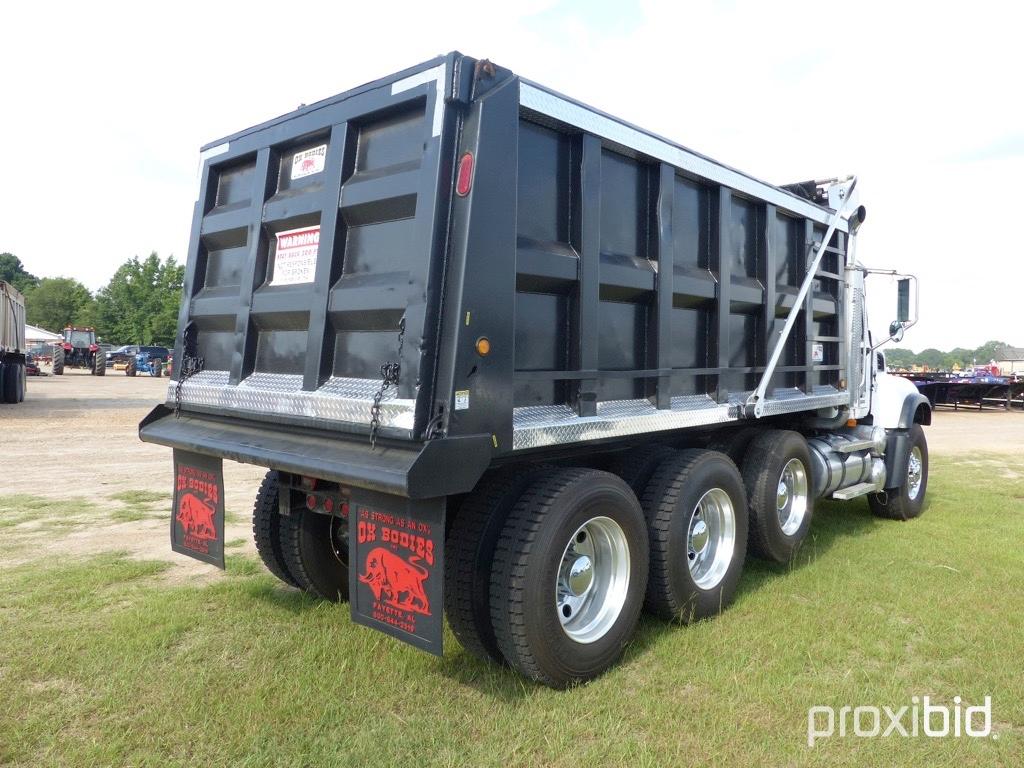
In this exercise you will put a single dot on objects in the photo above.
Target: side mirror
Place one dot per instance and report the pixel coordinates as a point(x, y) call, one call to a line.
point(903, 300)
point(896, 331)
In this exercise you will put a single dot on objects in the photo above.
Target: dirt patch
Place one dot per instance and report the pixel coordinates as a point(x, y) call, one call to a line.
point(955, 433)
point(77, 435)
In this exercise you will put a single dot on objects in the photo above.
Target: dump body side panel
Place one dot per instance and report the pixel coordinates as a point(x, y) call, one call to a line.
point(650, 284)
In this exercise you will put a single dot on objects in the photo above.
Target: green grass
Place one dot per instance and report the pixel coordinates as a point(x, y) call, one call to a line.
point(101, 664)
point(140, 497)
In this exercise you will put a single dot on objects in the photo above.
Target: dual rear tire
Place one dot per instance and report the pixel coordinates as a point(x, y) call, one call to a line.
point(12, 382)
point(303, 549)
point(571, 556)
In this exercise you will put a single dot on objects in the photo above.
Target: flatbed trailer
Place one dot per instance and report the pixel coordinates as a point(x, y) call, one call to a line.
point(514, 360)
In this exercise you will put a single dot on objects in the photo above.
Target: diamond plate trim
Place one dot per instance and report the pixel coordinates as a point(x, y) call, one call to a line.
point(791, 400)
point(338, 399)
point(540, 425)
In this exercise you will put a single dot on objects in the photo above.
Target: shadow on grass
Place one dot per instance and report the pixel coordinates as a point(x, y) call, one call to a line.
point(832, 522)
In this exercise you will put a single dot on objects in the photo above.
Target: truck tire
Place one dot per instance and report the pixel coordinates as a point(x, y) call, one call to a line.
point(734, 442)
point(315, 549)
point(266, 529)
point(58, 361)
point(906, 501)
point(99, 364)
point(8, 383)
point(637, 465)
point(469, 553)
point(777, 477)
point(158, 369)
point(569, 575)
point(696, 511)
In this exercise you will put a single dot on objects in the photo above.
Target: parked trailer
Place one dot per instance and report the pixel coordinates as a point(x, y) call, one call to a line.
point(12, 344)
point(512, 359)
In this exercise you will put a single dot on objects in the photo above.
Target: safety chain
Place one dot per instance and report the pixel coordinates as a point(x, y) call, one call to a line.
point(389, 372)
point(191, 364)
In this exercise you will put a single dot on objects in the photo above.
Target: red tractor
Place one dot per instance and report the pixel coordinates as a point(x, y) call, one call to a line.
point(79, 350)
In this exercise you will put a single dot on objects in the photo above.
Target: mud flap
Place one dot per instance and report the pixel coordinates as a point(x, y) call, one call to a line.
point(396, 582)
point(197, 519)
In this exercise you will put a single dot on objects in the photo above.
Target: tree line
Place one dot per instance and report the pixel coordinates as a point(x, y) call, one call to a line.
point(138, 306)
point(959, 357)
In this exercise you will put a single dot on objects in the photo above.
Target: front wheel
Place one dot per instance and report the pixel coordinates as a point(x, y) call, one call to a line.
point(569, 575)
point(906, 501)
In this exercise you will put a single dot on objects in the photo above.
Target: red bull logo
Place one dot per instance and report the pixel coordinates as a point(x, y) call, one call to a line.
point(395, 581)
point(196, 519)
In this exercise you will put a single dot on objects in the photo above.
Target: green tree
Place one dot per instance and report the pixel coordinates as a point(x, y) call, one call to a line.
point(14, 272)
point(56, 302)
point(989, 351)
point(897, 357)
point(140, 303)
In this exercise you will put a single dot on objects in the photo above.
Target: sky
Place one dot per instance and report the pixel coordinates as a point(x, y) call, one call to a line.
point(103, 108)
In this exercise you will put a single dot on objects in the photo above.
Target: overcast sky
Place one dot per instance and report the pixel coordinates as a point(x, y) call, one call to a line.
point(103, 108)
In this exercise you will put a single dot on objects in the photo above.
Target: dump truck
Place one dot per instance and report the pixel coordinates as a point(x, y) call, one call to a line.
point(78, 349)
point(12, 344)
point(514, 361)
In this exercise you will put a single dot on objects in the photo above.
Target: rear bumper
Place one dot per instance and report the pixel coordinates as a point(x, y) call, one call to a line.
point(414, 470)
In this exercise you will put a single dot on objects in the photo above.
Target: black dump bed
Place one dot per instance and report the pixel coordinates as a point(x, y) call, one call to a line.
point(622, 284)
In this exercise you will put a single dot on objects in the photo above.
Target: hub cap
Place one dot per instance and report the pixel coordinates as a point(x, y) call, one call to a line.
point(592, 580)
point(791, 499)
point(915, 473)
point(711, 538)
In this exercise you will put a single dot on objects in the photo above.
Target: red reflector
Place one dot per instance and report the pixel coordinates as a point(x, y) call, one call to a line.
point(464, 179)
point(311, 501)
point(328, 505)
point(344, 509)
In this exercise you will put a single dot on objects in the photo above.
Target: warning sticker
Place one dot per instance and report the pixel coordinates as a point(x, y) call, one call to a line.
point(461, 399)
point(817, 353)
point(308, 162)
point(295, 258)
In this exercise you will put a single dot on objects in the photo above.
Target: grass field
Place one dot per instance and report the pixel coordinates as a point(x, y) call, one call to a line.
point(102, 663)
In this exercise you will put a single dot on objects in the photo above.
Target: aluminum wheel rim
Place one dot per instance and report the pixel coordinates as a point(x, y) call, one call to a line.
point(592, 580)
point(791, 496)
point(711, 538)
point(915, 472)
